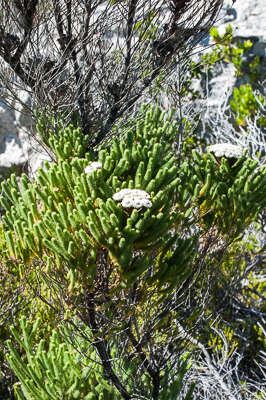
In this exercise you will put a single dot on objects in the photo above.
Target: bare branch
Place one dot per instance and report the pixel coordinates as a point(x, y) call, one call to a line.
point(96, 58)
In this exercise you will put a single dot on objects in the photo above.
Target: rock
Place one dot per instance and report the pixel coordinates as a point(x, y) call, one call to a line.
point(7, 123)
point(18, 146)
point(22, 113)
point(221, 85)
point(11, 149)
point(248, 20)
point(11, 154)
point(34, 152)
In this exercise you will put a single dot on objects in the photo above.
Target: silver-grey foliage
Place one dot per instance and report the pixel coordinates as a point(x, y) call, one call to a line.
point(220, 376)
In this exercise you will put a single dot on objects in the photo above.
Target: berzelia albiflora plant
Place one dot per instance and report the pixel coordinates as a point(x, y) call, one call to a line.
point(123, 238)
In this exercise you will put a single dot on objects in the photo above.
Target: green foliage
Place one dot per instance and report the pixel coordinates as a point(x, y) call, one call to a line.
point(66, 142)
point(175, 390)
point(73, 371)
point(229, 192)
point(17, 299)
point(145, 28)
point(215, 342)
point(227, 50)
point(171, 378)
point(2, 240)
point(246, 104)
point(62, 224)
point(59, 371)
point(71, 215)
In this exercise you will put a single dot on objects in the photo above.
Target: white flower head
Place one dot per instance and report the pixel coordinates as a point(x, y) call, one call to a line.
point(133, 198)
point(130, 192)
point(226, 150)
point(93, 167)
point(135, 202)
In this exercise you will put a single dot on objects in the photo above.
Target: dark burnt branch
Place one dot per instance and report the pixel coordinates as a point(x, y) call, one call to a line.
point(101, 346)
point(118, 110)
point(88, 8)
point(12, 47)
point(153, 371)
point(21, 73)
point(28, 11)
point(177, 9)
point(80, 99)
point(59, 25)
point(69, 17)
point(130, 32)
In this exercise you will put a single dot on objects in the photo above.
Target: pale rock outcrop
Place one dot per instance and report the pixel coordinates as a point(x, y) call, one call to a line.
point(11, 150)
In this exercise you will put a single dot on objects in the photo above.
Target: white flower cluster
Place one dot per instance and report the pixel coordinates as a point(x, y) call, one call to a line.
point(226, 150)
point(133, 198)
point(93, 167)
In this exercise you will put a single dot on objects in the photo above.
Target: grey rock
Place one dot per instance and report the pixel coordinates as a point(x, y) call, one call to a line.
point(22, 111)
point(7, 122)
point(248, 23)
point(11, 154)
point(221, 85)
point(11, 149)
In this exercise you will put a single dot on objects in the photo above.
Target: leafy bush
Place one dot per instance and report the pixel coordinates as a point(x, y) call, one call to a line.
point(247, 104)
point(130, 231)
point(59, 371)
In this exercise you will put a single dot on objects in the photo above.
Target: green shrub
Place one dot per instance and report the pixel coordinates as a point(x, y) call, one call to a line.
point(126, 232)
point(59, 371)
point(247, 104)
